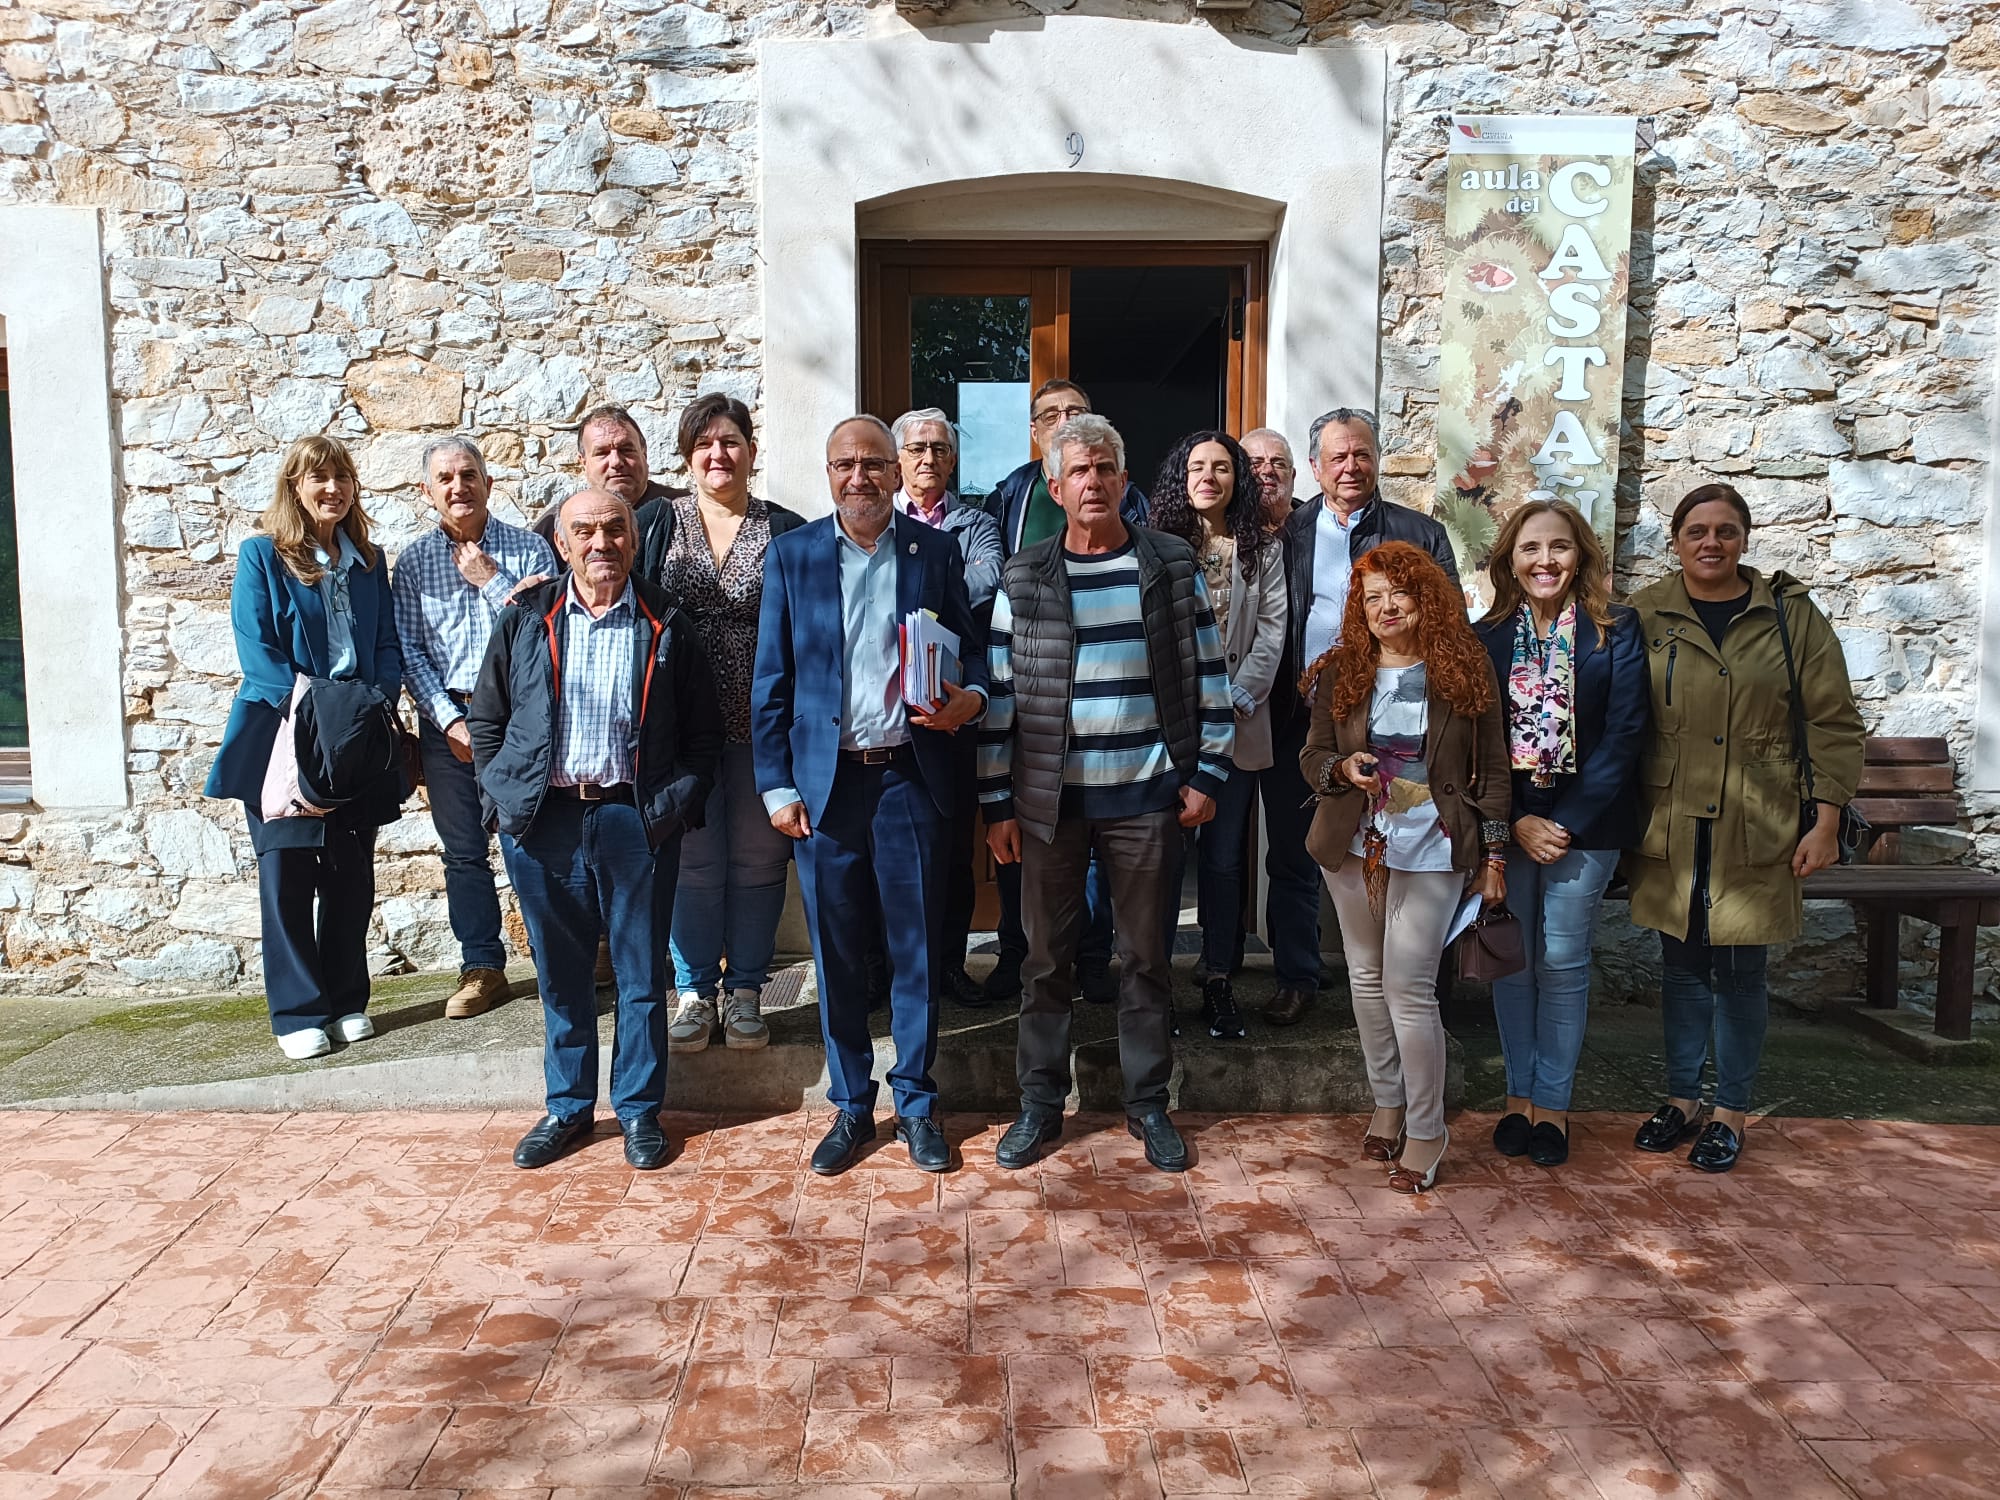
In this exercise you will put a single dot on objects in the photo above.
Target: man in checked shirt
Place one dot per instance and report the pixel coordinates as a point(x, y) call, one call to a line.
point(449, 587)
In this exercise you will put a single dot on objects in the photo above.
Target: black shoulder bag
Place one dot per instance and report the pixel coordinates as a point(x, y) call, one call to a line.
point(1853, 827)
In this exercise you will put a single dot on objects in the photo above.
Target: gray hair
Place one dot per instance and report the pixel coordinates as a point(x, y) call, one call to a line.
point(1352, 414)
point(1090, 430)
point(866, 420)
point(900, 428)
point(457, 443)
point(1276, 436)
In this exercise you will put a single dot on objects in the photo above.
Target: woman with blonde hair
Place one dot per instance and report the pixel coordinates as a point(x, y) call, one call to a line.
point(1572, 668)
point(1408, 753)
point(310, 599)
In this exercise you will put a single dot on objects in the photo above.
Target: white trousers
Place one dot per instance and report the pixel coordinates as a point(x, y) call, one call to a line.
point(1392, 967)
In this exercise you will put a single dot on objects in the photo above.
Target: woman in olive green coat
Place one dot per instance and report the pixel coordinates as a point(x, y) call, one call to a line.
point(1720, 860)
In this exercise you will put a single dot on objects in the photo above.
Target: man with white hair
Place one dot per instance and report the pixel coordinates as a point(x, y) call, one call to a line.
point(1271, 464)
point(927, 451)
point(449, 587)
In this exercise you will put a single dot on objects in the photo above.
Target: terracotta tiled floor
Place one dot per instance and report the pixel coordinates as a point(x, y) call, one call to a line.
point(259, 1306)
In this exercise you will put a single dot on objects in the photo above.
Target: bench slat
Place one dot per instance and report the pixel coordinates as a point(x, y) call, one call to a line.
point(1903, 883)
point(1891, 750)
point(1878, 780)
point(1907, 812)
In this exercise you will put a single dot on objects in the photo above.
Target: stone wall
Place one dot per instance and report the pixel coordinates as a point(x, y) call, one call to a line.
point(392, 220)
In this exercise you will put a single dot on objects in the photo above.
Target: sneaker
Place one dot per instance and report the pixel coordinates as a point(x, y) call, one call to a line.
point(693, 1024)
point(354, 1028)
point(479, 990)
point(1218, 1009)
point(743, 1025)
point(302, 1045)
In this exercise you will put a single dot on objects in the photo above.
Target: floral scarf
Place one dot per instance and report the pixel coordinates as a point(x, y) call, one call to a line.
point(1541, 697)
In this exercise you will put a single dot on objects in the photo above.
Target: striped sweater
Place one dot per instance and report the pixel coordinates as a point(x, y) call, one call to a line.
point(1116, 763)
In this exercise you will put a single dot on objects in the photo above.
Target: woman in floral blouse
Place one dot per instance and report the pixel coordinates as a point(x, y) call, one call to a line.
point(1573, 671)
point(731, 888)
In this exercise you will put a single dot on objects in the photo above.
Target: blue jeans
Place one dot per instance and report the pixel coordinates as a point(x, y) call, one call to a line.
point(1541, 1010)
point(1291, 901)
point(468, 869)
point(872, 871)
point(731, 889)
point(1219, 846)
point(583, 870)
point(1706, 990)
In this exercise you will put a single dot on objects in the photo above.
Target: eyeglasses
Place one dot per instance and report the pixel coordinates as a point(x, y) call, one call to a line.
point(874, 468)
point(1275, 465)
point(936, 450)
point(1050, 415)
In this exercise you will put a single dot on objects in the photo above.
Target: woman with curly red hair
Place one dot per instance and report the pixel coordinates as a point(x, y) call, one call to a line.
point(1408, 753)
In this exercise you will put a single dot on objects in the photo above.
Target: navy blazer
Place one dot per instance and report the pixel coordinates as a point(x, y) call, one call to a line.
point(1599, 804)
point(798, 691)
point(280, 628)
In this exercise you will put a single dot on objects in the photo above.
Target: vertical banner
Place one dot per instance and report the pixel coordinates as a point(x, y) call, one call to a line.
point(1538, 233)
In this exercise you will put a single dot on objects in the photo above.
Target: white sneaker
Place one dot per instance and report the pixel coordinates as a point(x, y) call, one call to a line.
point(302, 1045)
point(692, 1025)
point(743, 1025)
point(354, 1028)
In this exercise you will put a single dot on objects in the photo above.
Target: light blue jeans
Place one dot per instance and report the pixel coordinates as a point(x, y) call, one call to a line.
point(1541, 1009)
point(731, 890)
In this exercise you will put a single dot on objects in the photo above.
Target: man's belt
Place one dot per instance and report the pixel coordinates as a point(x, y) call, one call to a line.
point(881, 756)
point(595, 791)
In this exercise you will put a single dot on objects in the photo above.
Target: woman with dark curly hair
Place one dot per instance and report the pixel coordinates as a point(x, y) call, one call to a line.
point(1408, 752)
point(1207, 495)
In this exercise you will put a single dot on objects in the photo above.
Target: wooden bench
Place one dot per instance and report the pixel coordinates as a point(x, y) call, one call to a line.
point(1908, 783)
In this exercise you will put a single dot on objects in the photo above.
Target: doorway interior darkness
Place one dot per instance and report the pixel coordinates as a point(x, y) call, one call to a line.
point(1166, 338)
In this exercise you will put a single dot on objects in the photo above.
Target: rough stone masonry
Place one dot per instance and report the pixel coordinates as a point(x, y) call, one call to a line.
point(392, 220)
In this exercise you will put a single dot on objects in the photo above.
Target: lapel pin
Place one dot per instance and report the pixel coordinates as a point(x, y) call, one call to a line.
point(913, 549)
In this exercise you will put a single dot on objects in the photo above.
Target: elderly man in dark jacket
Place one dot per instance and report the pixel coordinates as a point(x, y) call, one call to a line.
point(595, 733)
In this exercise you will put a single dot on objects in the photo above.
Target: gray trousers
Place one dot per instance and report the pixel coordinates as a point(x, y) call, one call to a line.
point(1140, 859)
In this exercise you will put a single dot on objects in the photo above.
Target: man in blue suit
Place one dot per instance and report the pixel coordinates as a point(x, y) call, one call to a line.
point(865, 785)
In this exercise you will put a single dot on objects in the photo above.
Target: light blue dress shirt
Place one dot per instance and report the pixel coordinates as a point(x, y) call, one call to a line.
point(444, 622)
point(873, 716)
point(1333, 572)
point(339, 602)
point(596, 739)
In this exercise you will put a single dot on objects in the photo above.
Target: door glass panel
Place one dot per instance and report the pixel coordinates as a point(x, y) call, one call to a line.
point(969, 357)
point(1149, 343)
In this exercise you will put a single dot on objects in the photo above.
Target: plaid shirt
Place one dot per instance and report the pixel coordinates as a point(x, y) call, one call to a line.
point(444, 622)
point(596, 735)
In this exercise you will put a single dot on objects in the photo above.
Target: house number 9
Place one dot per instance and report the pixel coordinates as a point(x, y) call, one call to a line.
point(1073, 144)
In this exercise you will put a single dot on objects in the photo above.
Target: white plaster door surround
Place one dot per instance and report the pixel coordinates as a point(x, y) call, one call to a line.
point(842, 123)
point(52, 296)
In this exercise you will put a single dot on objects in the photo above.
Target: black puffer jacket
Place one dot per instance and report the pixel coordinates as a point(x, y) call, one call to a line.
point(512, 715)
point(1044, 652)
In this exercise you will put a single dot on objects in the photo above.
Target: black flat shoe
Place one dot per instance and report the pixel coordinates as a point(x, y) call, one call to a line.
point(960, 988)
point(645, 1143)
point(843, 1144)
point(1004, 983)
point(1027, 1138)
point(1510, 1136)
point(551, 1138)
point(1717, 1149)
point(928, 1147)
point(1666, 1130)
point(1164, 1147)
point(1548, 1144)
point(1094, 982)
point(1218, 1009)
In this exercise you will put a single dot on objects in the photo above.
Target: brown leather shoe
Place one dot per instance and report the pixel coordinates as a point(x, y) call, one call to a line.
point(479, 990)
point(1288, 1005)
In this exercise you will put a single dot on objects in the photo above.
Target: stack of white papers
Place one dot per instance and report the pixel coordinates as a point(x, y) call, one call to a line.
point(930, 660)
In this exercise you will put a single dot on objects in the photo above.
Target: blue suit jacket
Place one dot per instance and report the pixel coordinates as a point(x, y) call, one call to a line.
point(1614, 708)
point(281, 632)
point(798, 692)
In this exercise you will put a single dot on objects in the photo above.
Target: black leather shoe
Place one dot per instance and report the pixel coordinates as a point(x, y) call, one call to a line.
point(1164, 1147)
point(1717, 1149)
point(1218, 1009)
point(1094, 981)
point(1004, 983)
point(645, 1143)
point(1288, 1005)
point(842, 1145)
point(1666, 1130)
point(1510, 1136)
point(928, 1147)
point(1548, 1144)
point(959, 987)
point(552, 1137)
point(1026, 1139)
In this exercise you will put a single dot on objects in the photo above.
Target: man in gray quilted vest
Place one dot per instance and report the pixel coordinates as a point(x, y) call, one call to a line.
point(1109, 729)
